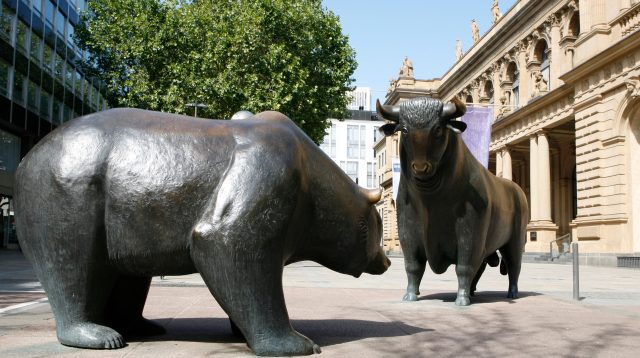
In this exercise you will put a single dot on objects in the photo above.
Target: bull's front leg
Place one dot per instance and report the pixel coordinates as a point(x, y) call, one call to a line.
point(470, 235)
point(411, 241)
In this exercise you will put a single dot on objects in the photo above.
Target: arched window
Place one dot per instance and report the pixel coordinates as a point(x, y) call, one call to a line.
point(488, 91)
point(542, 55)
point(574, 25)
point(514, 76)
point(469, 99)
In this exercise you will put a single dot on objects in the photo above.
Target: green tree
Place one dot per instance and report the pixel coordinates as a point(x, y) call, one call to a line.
point(284, 55)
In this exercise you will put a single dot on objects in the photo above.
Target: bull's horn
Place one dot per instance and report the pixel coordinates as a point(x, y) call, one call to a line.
point(453, 109)
point(390, 113)
point(372, 195)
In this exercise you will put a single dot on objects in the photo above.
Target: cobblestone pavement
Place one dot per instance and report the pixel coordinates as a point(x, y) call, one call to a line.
point(365, 317)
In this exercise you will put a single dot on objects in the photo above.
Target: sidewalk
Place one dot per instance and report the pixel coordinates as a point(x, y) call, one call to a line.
point(365, 317)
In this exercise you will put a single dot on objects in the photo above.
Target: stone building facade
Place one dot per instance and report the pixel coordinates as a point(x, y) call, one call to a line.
point(563, 79)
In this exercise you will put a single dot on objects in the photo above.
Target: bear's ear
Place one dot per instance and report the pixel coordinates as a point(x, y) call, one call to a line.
point(389, 128)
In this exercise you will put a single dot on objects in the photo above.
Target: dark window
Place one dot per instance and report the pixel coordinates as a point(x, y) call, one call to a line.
point(18, 87)
point(44, 104)
point(60, 23)
point(50, 11)
point(36, 45)
point(32, 96)
point(4, 77)
point(22, 36)
point(6, 21)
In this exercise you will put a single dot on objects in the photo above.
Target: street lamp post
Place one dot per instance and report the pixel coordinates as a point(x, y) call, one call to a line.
point(195, 107)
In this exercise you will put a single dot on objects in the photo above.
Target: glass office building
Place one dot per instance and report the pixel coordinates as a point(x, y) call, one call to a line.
point(40, 85)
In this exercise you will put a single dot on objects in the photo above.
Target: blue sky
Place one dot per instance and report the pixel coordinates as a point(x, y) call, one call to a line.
point(383, 32)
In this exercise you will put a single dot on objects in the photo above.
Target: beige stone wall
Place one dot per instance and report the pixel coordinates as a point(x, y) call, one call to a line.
point(572, 140)
point(385, 150)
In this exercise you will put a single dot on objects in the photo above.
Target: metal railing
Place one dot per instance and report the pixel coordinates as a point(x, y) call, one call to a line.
point(563, 243)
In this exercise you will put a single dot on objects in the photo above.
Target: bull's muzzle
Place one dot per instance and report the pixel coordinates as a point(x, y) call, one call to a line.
point(421, 168)
point(379, 264)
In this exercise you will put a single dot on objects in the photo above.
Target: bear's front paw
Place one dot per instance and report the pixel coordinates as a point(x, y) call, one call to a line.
point(90, 335)
point(293, 344)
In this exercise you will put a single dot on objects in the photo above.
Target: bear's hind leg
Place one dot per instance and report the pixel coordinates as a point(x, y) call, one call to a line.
point(78, 302)
point(125, 306)
point(65, 241)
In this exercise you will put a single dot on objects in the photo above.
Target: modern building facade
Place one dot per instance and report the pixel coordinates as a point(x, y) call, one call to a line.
point(360, 99)
point(563, 79)
point(349, 143)
point(41, 86)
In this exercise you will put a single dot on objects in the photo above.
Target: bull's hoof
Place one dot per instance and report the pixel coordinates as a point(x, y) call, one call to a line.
point(410, 296)
point(462, 301)
point(90, 335)
point(291, 345)
point(512, 294)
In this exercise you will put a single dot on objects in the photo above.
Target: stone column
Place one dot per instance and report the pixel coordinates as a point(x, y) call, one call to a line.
point(499, 172)
point(525, 91)
point(544, 178)
point(507, 169)
point(533, 177)
point(557, 57)
point(592, 13)
point(497, 90)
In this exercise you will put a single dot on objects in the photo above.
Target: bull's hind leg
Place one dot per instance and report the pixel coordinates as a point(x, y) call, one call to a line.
point(125, 306)
point(476, 278)
point(492, 260)
point(512, 258)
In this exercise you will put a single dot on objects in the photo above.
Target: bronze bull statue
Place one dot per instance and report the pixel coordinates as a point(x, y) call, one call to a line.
point(111, 199)
point(451, 210)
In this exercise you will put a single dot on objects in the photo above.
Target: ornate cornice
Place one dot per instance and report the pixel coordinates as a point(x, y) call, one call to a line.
point(633, 87)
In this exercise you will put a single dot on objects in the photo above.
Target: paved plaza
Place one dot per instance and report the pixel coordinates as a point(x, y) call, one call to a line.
point(365, 317)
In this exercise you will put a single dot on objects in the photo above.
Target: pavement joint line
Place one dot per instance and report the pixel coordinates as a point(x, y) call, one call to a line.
point(22, 305)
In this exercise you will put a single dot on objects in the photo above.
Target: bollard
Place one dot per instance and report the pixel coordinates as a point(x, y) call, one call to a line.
point(576, 271)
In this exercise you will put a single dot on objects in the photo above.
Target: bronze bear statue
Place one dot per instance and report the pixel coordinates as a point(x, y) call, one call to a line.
point(109, 200)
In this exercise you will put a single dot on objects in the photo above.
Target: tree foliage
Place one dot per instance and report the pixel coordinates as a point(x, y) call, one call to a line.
point(284, 55)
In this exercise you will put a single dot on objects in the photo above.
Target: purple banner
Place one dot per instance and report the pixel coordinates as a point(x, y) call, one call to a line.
point(478, 134)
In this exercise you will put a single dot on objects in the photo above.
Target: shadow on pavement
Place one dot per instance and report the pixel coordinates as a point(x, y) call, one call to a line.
point(479, 298)
point(323, 332)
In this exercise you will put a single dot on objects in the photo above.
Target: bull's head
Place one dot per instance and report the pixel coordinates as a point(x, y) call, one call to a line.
point(426, 125)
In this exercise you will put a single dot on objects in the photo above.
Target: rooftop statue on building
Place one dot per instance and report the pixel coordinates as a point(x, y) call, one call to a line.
point(407, 68)
point(495, 11)
point(475, 32)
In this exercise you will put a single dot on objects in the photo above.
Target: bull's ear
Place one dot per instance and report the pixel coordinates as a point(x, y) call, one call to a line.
point(459, 126)
point(389, 128)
